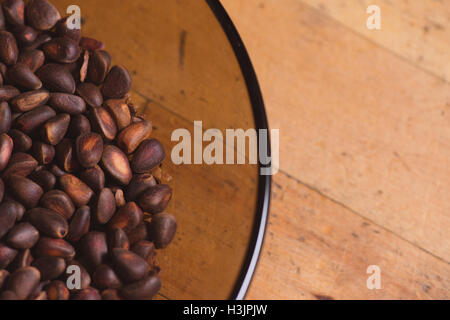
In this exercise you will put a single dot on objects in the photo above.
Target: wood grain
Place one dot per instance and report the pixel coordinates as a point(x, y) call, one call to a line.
point(318, 249)
point(361, 125)
point(364, 141)
point(415, 30)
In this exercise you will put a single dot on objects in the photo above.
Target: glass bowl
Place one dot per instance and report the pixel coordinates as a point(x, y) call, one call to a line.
point(188, 64)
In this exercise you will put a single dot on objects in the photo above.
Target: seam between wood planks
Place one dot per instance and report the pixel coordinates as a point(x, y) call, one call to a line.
point(381, 46)
point(289, 176)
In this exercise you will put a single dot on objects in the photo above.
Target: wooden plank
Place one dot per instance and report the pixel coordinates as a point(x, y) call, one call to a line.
point(415, 30)
point(317, 249)
point(357, 123)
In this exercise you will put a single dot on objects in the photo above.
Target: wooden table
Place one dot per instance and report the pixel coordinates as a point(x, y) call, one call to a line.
point(365, 146)
point(364, 119)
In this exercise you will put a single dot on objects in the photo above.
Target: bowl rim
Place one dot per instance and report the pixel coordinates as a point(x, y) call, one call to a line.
point(264, 182)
